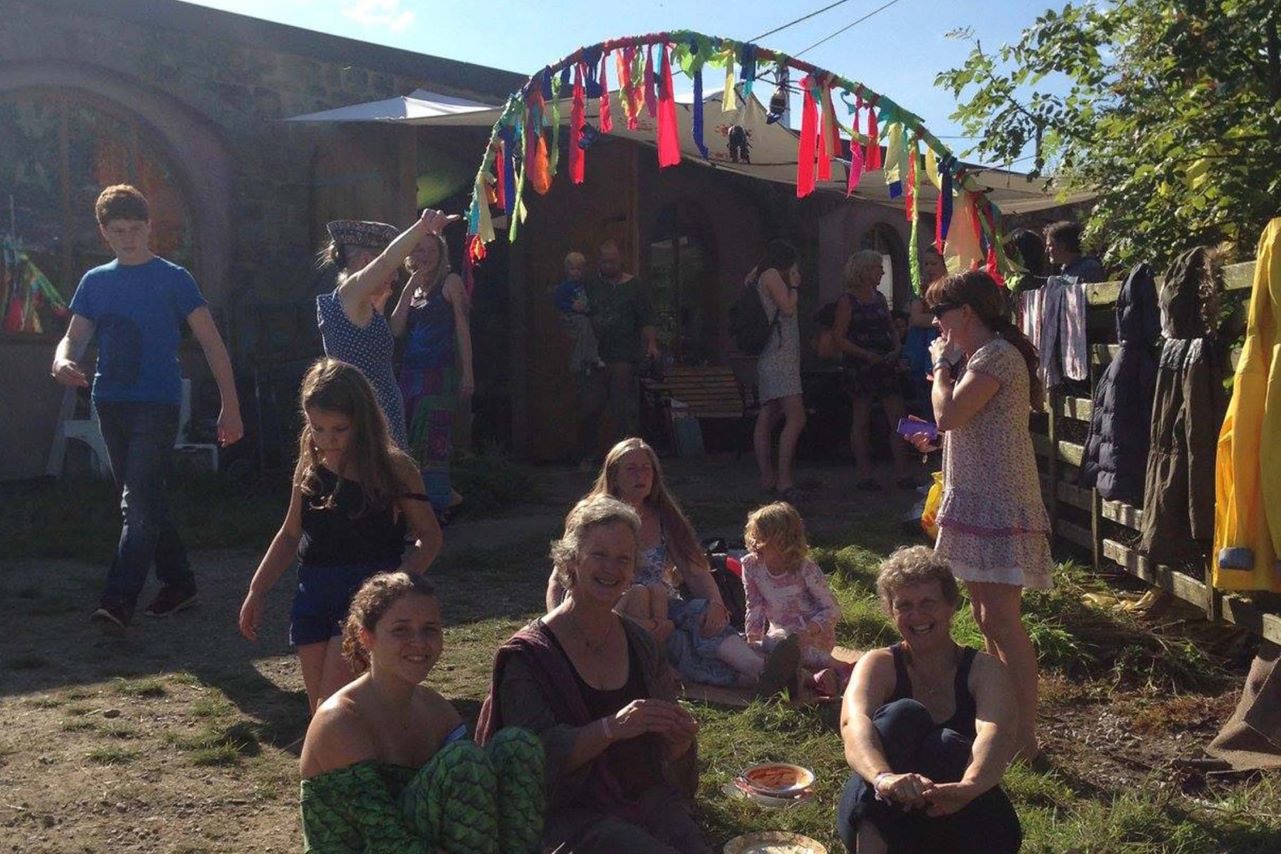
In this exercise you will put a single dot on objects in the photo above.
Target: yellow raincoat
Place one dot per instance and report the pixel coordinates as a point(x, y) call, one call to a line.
point(1247, 483)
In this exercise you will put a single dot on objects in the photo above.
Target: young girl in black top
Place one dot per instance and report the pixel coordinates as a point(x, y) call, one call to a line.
point(355, 495)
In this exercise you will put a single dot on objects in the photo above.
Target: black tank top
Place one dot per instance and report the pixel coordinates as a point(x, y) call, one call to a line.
point(963, 719)
point(342, 535)
point(634, 761)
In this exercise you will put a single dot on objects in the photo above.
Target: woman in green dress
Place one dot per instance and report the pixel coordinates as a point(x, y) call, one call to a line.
point(386, 764)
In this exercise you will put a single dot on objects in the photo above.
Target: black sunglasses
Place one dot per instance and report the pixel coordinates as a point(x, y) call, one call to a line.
point(942, 308)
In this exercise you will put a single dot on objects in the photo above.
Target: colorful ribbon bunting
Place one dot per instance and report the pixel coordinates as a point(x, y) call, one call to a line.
point(650, 78)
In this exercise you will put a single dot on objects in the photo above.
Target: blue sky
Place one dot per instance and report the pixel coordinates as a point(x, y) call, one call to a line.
point(896, 51)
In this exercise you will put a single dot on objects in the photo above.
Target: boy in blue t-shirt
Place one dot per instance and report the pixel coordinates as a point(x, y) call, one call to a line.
point(136, 306)
point(571, 302)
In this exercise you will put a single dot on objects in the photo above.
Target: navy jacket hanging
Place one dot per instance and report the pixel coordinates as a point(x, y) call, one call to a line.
point(1116, 447)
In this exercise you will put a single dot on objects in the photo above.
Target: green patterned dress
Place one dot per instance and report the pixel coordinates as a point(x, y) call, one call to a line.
point(465, 799)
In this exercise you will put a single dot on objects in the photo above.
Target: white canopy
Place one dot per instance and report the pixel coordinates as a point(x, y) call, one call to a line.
point(771, 154)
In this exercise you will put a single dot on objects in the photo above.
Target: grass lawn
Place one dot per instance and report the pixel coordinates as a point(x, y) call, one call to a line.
point(181, 737)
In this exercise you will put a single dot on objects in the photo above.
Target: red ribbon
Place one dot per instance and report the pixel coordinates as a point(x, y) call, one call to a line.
point(873, 158)
point(669, 144)
point(807, 143)
point(577, 116)
point(856, 167)
point(606, 120)
point(939, 225)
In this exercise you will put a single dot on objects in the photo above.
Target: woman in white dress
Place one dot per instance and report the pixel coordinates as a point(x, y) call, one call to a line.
point(779, 367)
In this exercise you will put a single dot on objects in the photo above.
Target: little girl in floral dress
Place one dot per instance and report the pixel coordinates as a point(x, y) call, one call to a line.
point(788, 594)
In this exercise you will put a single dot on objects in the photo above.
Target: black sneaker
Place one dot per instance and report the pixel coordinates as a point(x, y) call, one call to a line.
point(171, 599)
point(113, 617)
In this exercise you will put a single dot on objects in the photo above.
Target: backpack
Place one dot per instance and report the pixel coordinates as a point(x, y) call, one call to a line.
point(721, 562)
point(749, 325)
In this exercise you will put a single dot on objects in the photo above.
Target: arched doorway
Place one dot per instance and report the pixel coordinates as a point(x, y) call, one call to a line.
point(58, 148)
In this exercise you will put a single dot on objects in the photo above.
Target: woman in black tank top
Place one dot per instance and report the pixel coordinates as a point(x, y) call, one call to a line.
point(928, 727)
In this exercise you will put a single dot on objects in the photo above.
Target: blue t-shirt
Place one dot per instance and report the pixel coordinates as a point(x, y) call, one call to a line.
point(137, 311)
point(567, 293)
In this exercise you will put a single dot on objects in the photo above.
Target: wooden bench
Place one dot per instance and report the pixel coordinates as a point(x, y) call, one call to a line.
point(707, 392)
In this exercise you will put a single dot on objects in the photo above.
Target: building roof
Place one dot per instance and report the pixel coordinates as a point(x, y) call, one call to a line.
point(282, 38)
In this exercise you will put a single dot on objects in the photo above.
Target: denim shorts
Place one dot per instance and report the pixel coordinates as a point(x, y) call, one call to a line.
point(324, 597)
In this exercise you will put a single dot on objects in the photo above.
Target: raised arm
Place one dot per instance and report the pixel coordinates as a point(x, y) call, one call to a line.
point(364, 283)
point(201, 321)
point(955, 403)
point(399, 318)
point(66, 358)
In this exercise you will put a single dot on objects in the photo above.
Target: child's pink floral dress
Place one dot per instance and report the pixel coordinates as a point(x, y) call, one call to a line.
point(798, 603)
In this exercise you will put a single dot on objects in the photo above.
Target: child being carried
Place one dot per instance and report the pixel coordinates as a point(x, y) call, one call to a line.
point(575, 315)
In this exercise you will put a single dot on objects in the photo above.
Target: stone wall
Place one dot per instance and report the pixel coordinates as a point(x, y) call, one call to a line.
point(213, 90)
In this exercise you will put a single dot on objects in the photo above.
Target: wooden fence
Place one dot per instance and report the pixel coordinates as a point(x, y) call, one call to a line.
point(1103, 529)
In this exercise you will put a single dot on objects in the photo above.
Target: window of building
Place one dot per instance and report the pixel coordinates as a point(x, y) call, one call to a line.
point(58, 149)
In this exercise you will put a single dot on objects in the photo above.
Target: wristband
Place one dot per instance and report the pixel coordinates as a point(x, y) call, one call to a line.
point(607, 729)
point(876, 783)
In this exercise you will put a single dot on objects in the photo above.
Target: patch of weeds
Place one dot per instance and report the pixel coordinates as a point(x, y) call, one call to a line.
point(218, 745)
point(45, 702)
point(79, 711)
point(120, 731)
point(77, 694)
point(185, 678)
point(78, 725)
point(111, 755)
point(149, 687)
point(29, 661)
point(213, 706)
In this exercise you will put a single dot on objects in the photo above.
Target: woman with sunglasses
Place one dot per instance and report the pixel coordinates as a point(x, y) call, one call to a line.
point(993, 529)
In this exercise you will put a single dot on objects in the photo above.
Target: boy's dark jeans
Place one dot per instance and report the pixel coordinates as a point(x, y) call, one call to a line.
point(140, 439)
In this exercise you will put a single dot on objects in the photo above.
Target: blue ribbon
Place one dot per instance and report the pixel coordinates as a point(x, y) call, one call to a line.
point(545, 78)
point(591, 58)
point(698, 111)
point(747, 58)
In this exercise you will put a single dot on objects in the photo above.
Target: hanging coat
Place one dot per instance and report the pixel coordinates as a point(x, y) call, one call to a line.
point(1116, 447)
point(1187, 411)
point(1247, 531)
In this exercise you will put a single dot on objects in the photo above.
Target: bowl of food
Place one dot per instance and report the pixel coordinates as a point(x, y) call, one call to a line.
point(777, 780)
point(774, 842)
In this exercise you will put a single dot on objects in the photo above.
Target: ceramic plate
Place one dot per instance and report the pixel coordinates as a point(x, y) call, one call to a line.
point(778, 779)
point(738, 789)
point(774, 842)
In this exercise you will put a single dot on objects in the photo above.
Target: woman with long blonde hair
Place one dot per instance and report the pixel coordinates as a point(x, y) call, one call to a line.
point(355, 495)
point(700, 642)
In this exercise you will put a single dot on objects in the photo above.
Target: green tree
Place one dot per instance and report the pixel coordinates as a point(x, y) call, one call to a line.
point(1170, 110)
